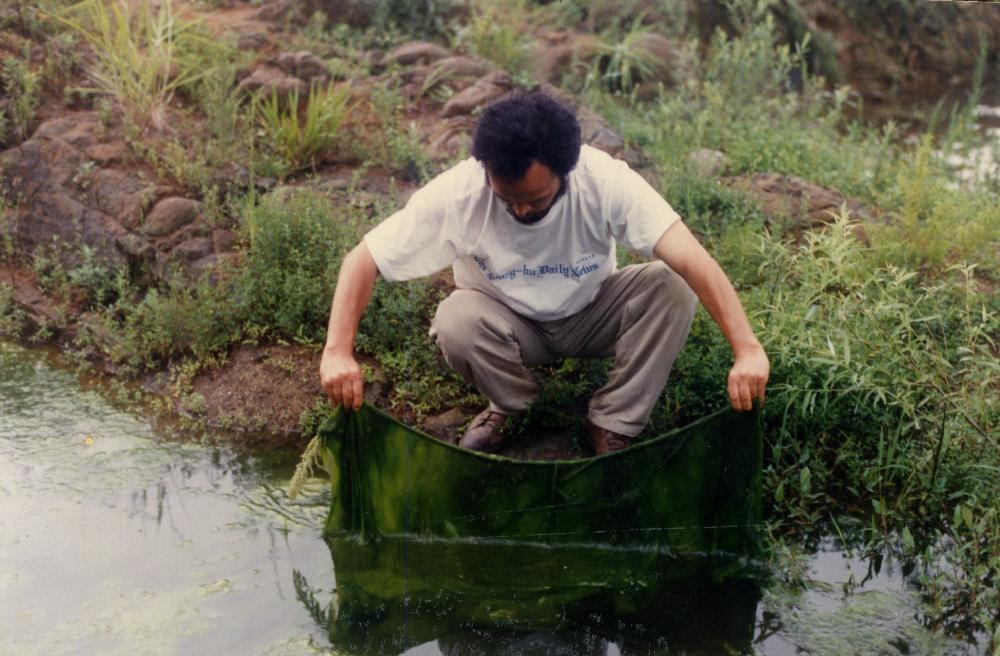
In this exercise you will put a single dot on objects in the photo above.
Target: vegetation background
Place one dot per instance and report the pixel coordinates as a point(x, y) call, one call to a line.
point(881, 316)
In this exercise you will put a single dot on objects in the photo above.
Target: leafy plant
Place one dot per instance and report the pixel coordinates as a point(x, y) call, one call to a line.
point(496, 33)
point(299, 137)
point(21, 85)
point(12, 316)
point(622, 62)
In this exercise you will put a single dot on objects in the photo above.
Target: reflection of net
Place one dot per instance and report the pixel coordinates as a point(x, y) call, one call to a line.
point(498, 598)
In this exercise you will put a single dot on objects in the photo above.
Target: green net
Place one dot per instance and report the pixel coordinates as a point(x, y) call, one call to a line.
point(691, 492)
point(421, 530)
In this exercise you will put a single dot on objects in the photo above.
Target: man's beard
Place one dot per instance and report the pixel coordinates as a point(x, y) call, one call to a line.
point(535, 217)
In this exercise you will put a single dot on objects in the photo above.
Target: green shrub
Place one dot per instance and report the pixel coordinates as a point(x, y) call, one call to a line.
point(416, 18)
point(21, 86)
point(12, 317)
point(179, 320)
point(296, 243)
point(389, 145)
point(935, 223)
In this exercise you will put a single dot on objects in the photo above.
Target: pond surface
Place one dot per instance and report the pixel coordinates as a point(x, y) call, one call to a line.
point(115, 539)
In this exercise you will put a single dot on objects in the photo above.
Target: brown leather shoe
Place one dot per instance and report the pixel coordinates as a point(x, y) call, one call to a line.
point(605, 441)
point(485, 433)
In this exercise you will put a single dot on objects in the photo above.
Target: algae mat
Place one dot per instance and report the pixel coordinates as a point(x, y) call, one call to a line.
point(487, 541)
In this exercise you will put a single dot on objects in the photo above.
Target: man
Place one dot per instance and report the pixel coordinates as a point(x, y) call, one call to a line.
point(530, 224)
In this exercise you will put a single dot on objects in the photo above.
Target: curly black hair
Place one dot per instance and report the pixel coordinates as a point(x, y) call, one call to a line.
point(524, 127)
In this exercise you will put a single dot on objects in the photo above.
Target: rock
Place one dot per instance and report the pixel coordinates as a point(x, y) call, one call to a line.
point(599, 134)
point(485, 90)
point(79, 130)
point(707, 163)
point(794, 204)
point(52, 210)
point(193, 249)
point(120, 195)
point(450, 137)
point(460, 67)
point(168, 215)
point(452, 418)
point(107, 153)
point(303, 65)
point(276, 10)
point(559, 52)
point(266, 80)
point(253, 41)
point(446, 424)
point(415, 52)
point(214, 264)
point(223, 240)
point(137, 250)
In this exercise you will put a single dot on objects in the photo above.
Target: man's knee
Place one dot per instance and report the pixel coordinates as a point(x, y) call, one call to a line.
point(671, 290)
point(455, 321)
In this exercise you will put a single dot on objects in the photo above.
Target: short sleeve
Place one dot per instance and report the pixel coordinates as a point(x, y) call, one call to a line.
point(415, 241)
point(637, 214)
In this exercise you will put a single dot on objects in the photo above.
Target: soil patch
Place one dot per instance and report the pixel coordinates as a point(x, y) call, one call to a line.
point(260, 391)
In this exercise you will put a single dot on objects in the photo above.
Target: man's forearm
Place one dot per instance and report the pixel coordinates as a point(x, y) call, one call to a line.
point(682, 252)
point(717, 294)
point(354, 289)
point(748, 376)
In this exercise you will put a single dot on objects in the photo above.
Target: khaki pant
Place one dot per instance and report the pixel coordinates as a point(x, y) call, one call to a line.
point(641, 316)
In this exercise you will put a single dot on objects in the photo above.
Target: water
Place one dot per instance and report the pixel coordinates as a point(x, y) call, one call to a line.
point(117, 540)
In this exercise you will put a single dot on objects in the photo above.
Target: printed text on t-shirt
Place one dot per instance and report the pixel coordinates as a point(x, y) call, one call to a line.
point(538, 271)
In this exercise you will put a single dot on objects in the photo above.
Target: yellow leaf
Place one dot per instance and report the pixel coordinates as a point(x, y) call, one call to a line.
point(88, 440)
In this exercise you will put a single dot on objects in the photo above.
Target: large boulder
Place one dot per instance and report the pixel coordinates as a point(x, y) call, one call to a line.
point(169, 215)
point(303, 64)
point(62, 204)
point(267, 80)
point(65, 204)
point(415, 52)
point(485, 90)
point(459, 66)
point(561, 53)
point(794, 205)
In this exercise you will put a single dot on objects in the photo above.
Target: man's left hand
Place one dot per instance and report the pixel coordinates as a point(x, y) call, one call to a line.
point(748, 378)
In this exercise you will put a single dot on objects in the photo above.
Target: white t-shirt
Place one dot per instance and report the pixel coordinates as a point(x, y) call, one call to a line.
point(545, 271)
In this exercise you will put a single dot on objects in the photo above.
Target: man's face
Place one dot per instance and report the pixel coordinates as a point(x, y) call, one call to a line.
point(529, 199)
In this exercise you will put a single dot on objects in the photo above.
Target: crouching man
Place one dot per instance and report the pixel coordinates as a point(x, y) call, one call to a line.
point(529, 224)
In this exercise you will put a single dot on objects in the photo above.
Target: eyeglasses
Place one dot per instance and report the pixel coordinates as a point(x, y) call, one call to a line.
point(537, 205)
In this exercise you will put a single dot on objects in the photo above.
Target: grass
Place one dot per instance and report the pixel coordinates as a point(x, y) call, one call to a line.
point(142, 53)
point(495, 33)
point(301, 137)
point(621, 61)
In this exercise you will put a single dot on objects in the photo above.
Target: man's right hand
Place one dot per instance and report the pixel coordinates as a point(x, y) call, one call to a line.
point(341, 377)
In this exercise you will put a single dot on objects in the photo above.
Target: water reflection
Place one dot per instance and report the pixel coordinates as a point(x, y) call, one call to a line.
point(461, 598)
point(135, 543)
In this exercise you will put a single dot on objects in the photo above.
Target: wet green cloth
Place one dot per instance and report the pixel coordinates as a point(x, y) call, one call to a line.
point(692, 494)
point(430, 540)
